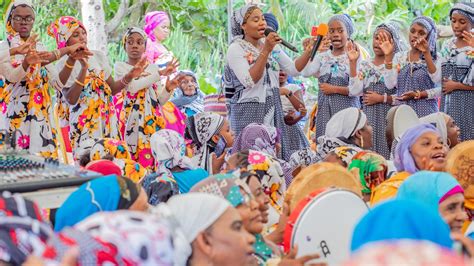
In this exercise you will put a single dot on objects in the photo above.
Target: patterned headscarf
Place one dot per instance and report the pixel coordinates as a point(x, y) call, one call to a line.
point(140, 238)
point(271, 175)
point(63, 28)
point(16, 205)
point(121, 156)
point(346, 20)
point(102, 194)
point(238, 19)
point(304, 157)
point(131, 31)
point(464, 9)
point(403, 159)
point(20, 237)
point(371, 168)
point(194, 102)
point(22, 228)
point(226, 186)
point(394, 31)
point(169, 150)
point(201, 128)
point(430, 26)
point(429, 188)
point(12, 36)
point(153, 20)
point(92, 251)
point(257, 137)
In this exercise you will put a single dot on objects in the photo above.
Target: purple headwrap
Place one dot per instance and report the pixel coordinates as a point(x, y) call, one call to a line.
point(403, 159)
point(152, 20)
point(257, 137)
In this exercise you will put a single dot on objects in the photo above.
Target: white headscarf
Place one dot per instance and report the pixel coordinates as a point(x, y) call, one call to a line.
point(195, 212)
point(169, 150)
point(345, 123)
point(439, 121)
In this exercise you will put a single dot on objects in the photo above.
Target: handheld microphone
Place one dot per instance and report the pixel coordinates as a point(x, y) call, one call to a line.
point(321, 31)
point(283, 42)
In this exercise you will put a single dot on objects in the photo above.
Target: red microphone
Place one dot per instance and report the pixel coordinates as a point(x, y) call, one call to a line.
point(320, 32)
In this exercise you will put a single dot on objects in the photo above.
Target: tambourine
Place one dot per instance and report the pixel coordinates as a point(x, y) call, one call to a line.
point(460, 163)
point(323, 222)
point(320, 175)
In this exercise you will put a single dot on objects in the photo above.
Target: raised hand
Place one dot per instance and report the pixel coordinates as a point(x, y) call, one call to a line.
point(422, 45)
point(308, 44)
point(468, 37)
point(138, 68)
point(170, 68)
point(303, 111)
point(271, 41)
point(325, 45)
point(352, 51)
point(76, 48)
point(172, 84)
point(34, 57)
point(81, 54)
point(386, 43)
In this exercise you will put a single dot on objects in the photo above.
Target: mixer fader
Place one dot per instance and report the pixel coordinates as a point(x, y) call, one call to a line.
point(33, 175)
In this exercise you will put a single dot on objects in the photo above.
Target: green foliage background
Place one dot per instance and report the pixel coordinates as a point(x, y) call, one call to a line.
point(199, 27)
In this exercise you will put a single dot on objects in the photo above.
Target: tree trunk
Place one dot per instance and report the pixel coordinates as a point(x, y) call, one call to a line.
point(93, 17)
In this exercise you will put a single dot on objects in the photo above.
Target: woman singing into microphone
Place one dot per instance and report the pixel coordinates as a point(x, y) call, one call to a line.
point(251, 75)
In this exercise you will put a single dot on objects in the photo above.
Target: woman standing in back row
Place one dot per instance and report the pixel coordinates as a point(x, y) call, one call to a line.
point(458, 71)
point(29, 76)
point(251, 74)
point(332, 70)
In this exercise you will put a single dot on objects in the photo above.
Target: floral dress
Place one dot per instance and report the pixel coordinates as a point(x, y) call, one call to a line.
point(93, 116)
point(173, 116)
point(335, 71)
point(26, 103)
point(142, 111)
point(456, 65)
point(377, 79)
point(121, 156)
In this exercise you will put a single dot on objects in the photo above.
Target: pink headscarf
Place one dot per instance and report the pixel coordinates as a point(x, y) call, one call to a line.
point(152, 20)
point(63, 28)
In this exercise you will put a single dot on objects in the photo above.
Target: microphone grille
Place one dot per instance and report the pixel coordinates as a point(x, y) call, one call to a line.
point(268, 31)
point(323, 29)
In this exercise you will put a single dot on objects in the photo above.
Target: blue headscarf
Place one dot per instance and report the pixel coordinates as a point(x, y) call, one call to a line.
point(403, 159)
point(465, 9)
point(346, 20)
point(428, 187)
point(429, 24)
point(107, 193)
point(194, 102)
point(401, 219)
point(271, 20)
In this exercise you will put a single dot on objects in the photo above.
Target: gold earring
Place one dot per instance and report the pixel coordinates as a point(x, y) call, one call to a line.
point(361, 142)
